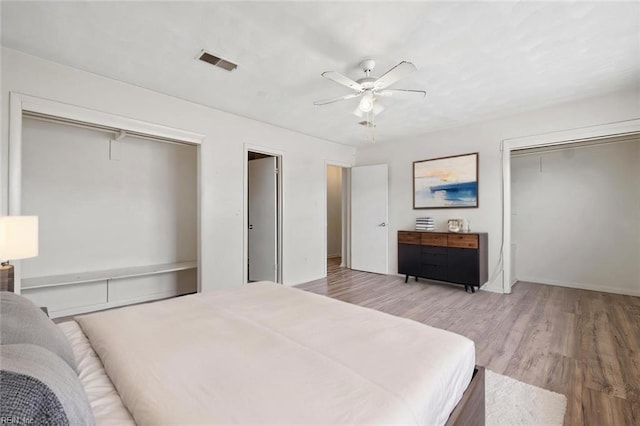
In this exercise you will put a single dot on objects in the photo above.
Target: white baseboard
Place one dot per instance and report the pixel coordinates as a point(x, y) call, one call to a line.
point(493, 288)
point(582, 286)
point(331, 256)
point(298, 282)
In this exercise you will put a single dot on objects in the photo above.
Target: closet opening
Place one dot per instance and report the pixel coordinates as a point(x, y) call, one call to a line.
point(583, 197)
point(118, 214)
point(264, 200)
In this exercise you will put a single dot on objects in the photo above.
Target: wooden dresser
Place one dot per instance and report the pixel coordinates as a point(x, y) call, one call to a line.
point(459, 258)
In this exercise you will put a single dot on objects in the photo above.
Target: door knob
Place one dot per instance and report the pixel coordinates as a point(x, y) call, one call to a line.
point(383, 224)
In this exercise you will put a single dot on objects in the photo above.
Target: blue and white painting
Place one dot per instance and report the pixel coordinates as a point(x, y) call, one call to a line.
point(446, 182)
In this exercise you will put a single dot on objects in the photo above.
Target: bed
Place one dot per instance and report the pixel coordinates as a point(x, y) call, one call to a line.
point(266, 353)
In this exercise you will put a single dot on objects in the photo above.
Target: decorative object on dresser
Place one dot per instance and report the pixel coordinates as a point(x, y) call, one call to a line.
point(444, 256)
point(447, 182)
point(458, 225)
point(425, 224)
point(18, 240)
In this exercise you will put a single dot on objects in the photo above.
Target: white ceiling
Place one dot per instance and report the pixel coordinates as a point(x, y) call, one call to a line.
point(475, 60)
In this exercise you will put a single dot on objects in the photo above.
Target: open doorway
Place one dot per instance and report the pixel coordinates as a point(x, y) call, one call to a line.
point(263, 217)
point(334, 215)
point(337, 223)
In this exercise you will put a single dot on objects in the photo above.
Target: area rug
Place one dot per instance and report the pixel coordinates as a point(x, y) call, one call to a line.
point(510, 402)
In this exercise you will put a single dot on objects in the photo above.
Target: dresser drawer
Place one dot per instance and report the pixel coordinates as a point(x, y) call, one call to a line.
point(434, 259)
point(434, 272)
point(439, 240)
point(433, 250)
point(408, 237)
point(463, 241)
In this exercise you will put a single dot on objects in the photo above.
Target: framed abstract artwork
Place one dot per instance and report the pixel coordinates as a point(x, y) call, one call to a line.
point(447, 182)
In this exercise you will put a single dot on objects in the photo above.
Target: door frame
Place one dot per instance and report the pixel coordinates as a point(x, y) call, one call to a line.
point(346, 212)
point(279, 206)
point(627, 127)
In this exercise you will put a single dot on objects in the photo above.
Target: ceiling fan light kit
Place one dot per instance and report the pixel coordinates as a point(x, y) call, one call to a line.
point(370, 88)
point(366, 104)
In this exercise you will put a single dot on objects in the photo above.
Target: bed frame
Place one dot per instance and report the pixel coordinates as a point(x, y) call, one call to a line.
point(470, 409)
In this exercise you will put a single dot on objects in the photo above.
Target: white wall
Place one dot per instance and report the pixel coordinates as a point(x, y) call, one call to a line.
point(484, 138)
point(576, 217)
point(334, 211)
point(222, 163)
point(98, 213)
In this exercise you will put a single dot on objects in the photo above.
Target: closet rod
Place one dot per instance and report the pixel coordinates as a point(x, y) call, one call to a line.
point(577, 145)
point(94, 126)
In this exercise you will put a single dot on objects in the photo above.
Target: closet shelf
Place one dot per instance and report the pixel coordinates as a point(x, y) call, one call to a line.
point(109, 274)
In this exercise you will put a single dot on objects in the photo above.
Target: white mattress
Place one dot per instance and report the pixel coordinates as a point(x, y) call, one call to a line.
point(106, 404)
point(265, 353)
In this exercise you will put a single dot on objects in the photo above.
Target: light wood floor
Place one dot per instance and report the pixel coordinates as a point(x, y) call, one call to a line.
point(583, 344)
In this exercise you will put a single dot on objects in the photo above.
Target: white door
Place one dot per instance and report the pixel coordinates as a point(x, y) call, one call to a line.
point(262, 219)
point(369, 227)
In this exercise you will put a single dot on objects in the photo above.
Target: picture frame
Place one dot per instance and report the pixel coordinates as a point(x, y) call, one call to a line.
point(447, 182)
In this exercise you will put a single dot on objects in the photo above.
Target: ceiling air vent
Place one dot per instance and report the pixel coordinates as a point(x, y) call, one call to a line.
point(367, 124)
point(218, 62)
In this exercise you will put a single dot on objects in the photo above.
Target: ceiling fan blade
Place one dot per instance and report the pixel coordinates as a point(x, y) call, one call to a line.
point(342, 80)
point(401, 93)
point(336, 99)
point(396, 73)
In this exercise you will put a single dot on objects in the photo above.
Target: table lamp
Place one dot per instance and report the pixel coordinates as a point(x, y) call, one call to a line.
point(18, 240)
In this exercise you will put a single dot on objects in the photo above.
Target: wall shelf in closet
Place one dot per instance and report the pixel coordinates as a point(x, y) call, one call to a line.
point(109, 274)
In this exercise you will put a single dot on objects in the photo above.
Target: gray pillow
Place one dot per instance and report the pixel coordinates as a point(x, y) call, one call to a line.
point(21, 321)
point(38, 387)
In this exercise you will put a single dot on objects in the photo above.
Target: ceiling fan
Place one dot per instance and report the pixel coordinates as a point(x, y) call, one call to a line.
point(370, 88)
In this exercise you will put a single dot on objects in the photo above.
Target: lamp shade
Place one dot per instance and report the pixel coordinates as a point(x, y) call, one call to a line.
point(18, 237)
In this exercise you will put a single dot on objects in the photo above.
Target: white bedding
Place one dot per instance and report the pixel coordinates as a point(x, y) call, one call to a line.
point(105, 403)
point(265, 353)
